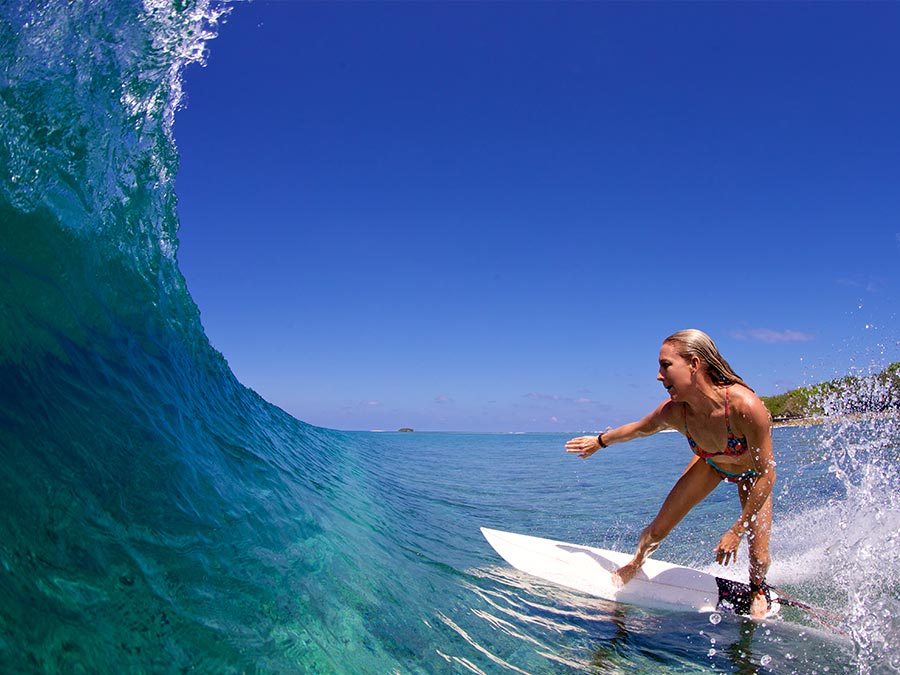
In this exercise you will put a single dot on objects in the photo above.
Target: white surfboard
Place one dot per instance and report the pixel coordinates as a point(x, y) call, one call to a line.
point(659, 584)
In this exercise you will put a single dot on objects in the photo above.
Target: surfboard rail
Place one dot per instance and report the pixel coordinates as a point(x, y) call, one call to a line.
point(587, 569)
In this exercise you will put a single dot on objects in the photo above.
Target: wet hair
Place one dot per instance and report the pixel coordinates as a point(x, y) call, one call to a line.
point(693, 342)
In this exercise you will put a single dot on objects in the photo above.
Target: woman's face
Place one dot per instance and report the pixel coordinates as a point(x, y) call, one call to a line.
point(675, 372)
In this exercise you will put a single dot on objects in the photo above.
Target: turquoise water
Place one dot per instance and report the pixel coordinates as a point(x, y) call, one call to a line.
point(160, 517)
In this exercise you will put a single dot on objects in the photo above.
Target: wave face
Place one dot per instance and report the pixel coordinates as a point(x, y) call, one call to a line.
point(158, 515)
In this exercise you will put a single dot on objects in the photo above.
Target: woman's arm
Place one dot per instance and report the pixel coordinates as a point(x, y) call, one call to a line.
point(756, 426)
point(656, 421)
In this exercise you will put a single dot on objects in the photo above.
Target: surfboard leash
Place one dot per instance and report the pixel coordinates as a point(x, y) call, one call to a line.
point(737, 596)
point(828, 620)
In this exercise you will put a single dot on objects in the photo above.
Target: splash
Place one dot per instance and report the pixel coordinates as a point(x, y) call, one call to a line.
point(862, 440)
point(855, 529)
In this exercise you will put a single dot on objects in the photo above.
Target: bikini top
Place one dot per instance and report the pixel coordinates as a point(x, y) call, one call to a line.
point(736, 446)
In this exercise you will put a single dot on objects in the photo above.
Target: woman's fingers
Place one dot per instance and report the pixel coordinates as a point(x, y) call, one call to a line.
point(726, 551)
point(585, 446)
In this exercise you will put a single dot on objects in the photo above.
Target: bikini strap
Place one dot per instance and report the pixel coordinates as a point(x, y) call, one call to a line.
point(727, 419)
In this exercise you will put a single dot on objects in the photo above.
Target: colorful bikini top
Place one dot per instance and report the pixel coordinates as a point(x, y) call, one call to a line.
point(735, 446)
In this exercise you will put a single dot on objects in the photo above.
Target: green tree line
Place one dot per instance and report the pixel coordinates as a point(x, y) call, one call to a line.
point(871, 393)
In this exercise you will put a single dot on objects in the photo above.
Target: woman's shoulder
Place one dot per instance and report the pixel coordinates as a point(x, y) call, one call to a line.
point(746, 405)
point(670, 413)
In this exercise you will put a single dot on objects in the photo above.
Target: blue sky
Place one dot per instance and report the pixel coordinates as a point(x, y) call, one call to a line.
point(487, 216)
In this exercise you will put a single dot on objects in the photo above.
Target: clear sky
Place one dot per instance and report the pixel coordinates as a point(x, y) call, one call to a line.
point(487, 216)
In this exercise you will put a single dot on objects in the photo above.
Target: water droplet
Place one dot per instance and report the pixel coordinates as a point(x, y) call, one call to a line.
point(711, 652)
point(765, 660)
point(715, 618)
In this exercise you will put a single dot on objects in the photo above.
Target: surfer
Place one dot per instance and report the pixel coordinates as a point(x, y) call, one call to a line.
point(729, 431)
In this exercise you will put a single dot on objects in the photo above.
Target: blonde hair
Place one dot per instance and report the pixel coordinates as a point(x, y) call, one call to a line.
point(693, 342)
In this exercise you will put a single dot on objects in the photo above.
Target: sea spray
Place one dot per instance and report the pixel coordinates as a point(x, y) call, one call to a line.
point(837, 518)
point(860, 442)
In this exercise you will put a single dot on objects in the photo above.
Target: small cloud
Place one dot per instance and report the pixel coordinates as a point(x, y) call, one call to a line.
point(443, 399)
point(371, 404)
point(562, 400)
point(869, 285)
point(554, 419)
point(542, 397)
point(770, 336)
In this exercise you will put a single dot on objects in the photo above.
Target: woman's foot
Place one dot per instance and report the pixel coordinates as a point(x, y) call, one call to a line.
point(759, 605)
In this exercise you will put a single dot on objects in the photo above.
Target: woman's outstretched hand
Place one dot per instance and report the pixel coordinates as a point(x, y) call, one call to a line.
point(583, 446)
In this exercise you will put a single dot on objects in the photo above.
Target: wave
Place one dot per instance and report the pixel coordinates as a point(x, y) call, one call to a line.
point(159, 515)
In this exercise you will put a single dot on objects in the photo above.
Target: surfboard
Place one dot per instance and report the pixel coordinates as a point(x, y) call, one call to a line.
point(658, 585)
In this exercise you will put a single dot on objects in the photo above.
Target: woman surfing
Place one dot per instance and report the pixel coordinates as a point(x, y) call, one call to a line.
point(729, 431)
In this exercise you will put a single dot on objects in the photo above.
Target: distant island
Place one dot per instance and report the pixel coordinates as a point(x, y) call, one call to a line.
point(862, 394)
point(404, 429)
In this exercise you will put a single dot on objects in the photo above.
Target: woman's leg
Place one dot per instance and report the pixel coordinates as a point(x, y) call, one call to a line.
point(693, 487)
point(758, 545)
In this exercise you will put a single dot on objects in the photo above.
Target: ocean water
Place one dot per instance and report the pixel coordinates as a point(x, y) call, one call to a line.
point(159, 517)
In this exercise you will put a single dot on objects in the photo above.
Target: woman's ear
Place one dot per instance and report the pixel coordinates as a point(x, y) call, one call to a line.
point(695, 364)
